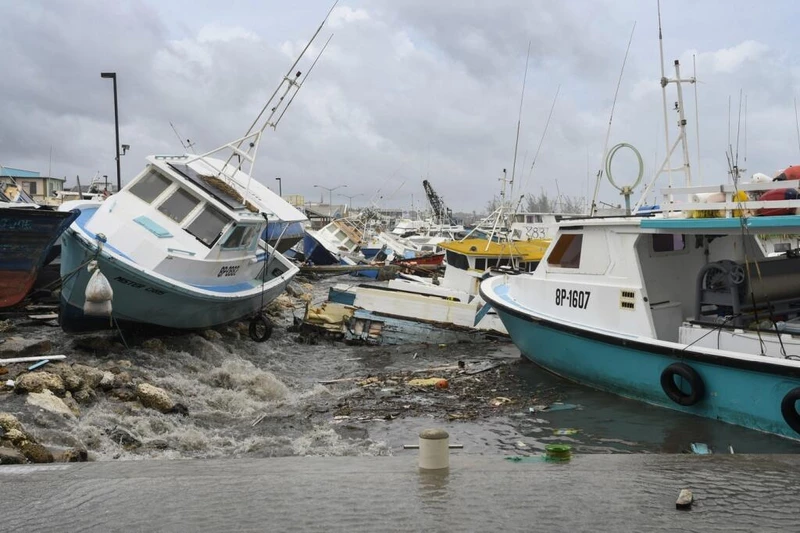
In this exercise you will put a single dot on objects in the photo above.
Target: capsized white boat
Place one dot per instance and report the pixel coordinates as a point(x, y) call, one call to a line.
point(181, 244)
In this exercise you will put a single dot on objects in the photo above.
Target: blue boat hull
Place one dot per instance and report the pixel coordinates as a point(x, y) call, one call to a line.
point(316, 254)
point(738, 392)
point(283, 235)
point(27, 239)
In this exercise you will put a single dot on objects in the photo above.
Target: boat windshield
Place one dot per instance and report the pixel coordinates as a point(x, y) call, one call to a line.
point(208, 225)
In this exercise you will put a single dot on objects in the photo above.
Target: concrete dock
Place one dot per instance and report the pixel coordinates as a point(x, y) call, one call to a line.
point(479, 493)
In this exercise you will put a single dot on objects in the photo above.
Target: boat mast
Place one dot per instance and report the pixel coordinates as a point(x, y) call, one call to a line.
point(246, 147)
point(666, 166)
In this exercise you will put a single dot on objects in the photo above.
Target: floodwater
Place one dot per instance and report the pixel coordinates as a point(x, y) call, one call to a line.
point(283, 398)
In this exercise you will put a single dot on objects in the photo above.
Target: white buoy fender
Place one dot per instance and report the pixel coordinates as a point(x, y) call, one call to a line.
point(434, 449)
point(98, 293)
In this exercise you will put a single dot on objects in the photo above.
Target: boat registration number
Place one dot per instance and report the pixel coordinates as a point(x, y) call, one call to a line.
point(572, 298)
point(228, 271)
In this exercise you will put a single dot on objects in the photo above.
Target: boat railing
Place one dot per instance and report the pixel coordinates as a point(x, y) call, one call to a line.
point(727, 200)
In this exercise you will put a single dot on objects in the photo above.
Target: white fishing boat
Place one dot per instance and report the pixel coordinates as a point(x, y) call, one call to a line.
point(181, 244)
point(695, 309)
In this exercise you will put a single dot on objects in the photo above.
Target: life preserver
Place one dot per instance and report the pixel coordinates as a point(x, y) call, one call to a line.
point(260, 328)
point(789, 411)
point(691, 376)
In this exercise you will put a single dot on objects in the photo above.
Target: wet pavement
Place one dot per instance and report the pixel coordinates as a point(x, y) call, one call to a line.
point(589, 493)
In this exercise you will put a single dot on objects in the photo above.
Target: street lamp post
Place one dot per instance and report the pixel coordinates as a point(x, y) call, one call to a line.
point(280, 187)
point(350, 199)
point(113, 76)
point(330, 195)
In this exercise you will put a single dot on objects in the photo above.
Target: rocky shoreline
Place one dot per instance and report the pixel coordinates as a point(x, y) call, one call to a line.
point(61, 391)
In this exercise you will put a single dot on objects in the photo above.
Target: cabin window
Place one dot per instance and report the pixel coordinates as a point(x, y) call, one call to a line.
point(208, 225)
point(241, 236)
point(457, 260)
point(668, 242)
point(150, 186)
point(179, 205)
point(567, 252)
point(480, 264)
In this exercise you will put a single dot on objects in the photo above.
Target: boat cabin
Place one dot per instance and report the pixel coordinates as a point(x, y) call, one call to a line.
point(678, 279)
point(179, 220)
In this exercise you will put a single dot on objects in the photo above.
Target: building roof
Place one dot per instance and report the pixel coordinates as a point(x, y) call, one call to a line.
point(18, 172)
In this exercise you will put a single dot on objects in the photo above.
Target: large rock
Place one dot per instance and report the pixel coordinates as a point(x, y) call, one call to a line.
point(38, 382)
point(211, 335)
point(73, 455)
point(19, 347)
point(9, 422)
point(17, 437)
point(91, 376)
point(85, 395)
point(107, 381)
point(10, 456)
point(154, 397)
point(72, 380)
point(97, 344)
point(36, 453)
point(154, 346)
point(49, 402)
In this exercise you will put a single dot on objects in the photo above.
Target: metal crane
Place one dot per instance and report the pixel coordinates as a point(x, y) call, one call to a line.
point(441, 214)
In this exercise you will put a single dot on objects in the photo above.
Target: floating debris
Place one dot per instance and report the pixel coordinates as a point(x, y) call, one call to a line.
point(700, 448)
point(685, 499)
point(566, 431)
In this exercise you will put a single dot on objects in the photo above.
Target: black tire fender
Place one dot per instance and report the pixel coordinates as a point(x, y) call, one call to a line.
point(691, 376)
point(260, 328)
point(789, 409)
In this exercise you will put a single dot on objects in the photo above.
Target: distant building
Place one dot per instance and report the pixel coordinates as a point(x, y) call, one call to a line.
point(42, 189)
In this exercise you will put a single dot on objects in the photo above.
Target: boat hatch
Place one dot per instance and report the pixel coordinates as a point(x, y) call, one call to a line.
point(567, 251)
point(197, 179)
point(208, 225)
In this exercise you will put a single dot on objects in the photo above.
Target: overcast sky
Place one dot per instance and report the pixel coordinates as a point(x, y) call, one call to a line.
point(407, 89)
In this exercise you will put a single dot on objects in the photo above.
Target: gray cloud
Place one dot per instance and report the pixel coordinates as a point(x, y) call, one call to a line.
point(405, 90)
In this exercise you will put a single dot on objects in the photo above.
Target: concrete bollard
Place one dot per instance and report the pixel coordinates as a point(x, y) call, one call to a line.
point(434, 449)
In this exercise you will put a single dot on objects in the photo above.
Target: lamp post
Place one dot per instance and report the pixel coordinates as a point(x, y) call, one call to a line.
point(113, 76)
point(280, 187)
point(330, 194)
point(350, 199)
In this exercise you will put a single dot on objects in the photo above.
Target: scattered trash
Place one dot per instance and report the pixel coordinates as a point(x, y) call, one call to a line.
point(558, 452)
point(700, 448)
point(521, 444)
point(730, 448)
point(442, 346)
point(10, 383)
point(439, 383)
point(41, 363)
point(558, 406)
point(500, 400)
point(369, 381)
point(31, 359)
point(3, 370)
point(537, 408)
point(567, 431)
point(482, 367)
point(462, 364)
point(526, 459)
point(684, 500)
point(415, 355)
point(48, 316)
point(258, 420)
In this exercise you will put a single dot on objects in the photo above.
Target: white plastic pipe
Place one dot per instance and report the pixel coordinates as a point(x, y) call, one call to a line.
point(31, 359)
